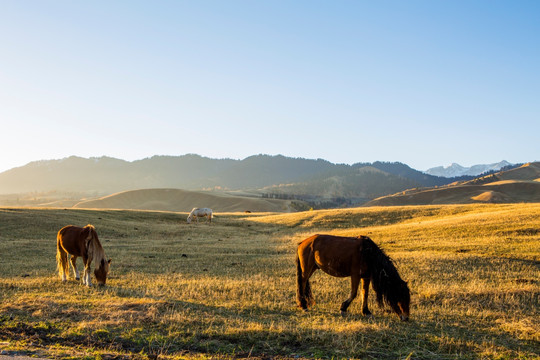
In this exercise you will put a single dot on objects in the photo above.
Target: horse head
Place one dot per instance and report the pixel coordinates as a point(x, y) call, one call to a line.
point(403, 301)
point(101, 272)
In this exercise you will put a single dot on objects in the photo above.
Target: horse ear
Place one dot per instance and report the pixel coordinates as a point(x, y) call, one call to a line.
point(109, 261)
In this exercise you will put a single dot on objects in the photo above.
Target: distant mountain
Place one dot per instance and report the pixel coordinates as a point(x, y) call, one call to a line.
point(456, 170)
point(106, 175)
point(520, 184)
point(276, 176)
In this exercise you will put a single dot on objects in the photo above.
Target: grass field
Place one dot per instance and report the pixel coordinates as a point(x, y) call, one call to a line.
point(227, 290)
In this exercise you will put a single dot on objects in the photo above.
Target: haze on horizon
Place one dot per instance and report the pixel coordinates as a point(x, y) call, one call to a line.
point(421, 82)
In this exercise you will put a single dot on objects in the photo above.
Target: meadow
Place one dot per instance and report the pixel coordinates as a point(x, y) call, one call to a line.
point(227, 290)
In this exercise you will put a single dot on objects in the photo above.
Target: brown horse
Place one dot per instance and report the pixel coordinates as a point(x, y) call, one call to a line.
point(361, 259)
point(83, 242)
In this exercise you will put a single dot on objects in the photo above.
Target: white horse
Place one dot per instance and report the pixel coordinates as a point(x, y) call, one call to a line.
point(199, 212)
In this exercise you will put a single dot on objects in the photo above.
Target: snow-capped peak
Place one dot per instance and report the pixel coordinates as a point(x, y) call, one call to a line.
point(455, 169)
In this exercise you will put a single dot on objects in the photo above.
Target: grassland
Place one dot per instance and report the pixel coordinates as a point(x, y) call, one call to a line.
point(227, 290)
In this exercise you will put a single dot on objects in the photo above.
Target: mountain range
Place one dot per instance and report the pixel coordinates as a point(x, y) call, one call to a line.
point(106, 175)
point(455, 170)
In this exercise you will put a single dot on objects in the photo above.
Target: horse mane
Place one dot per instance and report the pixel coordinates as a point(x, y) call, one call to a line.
point(96, 253)
point(385, 278)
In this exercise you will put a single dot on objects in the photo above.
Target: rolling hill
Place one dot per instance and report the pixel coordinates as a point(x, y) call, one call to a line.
point(184, 201)
point(521, 184)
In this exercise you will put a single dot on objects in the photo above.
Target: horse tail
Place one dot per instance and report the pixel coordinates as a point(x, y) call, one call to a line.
point(384, 276)
point(61, 257)
point(300, 296)
point(308, 294)
point(304, 297)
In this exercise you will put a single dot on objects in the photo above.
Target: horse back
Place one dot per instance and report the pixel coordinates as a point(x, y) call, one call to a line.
point(335, 255)
point(201, 212)
point(73, 239)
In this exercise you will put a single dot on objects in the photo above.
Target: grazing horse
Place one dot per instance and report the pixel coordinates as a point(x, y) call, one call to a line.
point(357, 257)
point(199, 212)
point(83, 242)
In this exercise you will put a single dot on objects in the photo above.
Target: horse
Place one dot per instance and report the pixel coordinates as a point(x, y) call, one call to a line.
point(356, 257)
point(84, 242)
point(199, 212)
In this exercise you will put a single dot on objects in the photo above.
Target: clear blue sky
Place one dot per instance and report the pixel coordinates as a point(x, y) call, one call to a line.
point(426, 83)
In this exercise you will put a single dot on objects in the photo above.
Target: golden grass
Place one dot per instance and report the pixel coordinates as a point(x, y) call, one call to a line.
point(473, 271)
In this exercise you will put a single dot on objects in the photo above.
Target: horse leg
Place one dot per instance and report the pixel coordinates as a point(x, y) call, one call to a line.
point(86, 274)
point(74, 266)
point(365, 292)
point(355, 280)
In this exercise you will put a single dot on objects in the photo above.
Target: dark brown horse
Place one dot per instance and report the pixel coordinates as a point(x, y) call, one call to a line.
point(357, 257)
point(82, 242)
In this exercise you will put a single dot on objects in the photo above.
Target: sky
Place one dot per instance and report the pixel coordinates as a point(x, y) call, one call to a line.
point(425, 83)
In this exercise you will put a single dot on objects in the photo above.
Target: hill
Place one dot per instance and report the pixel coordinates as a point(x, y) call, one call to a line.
point(526, 172)
point(521, 184)
point(181, 200)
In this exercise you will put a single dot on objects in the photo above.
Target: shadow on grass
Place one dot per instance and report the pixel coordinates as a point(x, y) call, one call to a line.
point(383, 336)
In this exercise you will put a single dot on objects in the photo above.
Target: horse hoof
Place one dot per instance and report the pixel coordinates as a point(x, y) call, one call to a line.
point(78, 279)
point(344, 313)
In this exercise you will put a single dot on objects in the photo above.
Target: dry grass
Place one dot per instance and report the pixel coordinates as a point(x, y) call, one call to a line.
point(473, 271)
